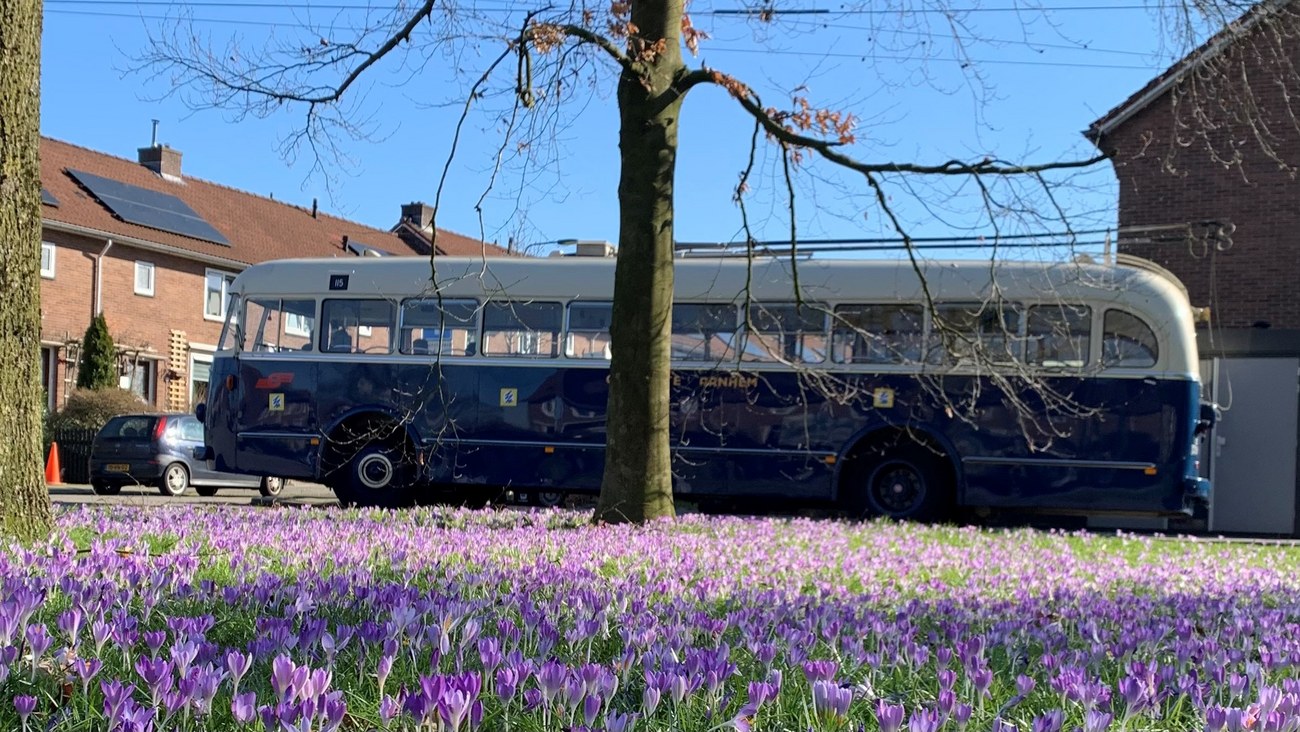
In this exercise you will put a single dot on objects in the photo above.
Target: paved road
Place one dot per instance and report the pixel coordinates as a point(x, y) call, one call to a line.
point(294, 492)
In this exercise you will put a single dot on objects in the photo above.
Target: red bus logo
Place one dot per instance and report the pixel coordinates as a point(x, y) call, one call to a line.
point(274, 380)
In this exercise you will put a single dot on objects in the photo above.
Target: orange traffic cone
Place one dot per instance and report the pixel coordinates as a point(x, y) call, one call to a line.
point(53, 475)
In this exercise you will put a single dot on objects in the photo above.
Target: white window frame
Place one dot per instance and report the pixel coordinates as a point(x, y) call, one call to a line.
point(141, 266)
point(46, 246)
point(226, 279)
point(199, 353)
point(297, 325)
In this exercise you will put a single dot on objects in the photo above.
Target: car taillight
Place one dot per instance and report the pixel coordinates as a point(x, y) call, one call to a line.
point(159, 428)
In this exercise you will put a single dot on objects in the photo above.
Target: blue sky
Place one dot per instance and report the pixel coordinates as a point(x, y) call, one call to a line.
point(1046, 76)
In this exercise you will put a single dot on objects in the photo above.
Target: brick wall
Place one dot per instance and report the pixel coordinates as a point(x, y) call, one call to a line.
point(1170, 172)
point(143, 324)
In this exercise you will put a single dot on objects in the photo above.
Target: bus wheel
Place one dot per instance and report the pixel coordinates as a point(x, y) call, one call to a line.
point(548, 499)
point(909, 485)
point(376, 477)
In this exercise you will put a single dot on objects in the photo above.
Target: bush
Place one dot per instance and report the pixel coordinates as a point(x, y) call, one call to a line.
point(92, 408)
point(97, 368)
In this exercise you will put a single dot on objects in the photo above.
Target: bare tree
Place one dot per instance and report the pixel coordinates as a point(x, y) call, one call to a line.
point(24, 501)
point(552, 53)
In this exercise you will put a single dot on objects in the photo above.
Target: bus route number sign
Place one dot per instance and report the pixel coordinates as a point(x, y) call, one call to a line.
point(339, 282)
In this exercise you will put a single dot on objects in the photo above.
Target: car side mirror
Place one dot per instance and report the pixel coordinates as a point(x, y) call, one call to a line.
point(201, 411)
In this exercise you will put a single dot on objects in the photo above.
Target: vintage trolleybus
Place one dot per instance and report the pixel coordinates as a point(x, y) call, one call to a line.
point(1068, 387)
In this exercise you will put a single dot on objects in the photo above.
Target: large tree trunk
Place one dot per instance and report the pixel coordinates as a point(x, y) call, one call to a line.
point(637, 485)
point(24, 501)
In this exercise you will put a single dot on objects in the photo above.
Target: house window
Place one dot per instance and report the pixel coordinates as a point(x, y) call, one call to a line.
point(200, 373)
point(216, 293)
point(47, 260)
point(144, 278)
point(49, 373)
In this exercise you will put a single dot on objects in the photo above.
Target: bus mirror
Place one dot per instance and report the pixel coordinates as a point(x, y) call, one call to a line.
point(200, 411)
point(1208, 417)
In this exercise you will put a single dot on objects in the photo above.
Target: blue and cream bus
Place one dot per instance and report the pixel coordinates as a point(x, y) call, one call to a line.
point(886, 390)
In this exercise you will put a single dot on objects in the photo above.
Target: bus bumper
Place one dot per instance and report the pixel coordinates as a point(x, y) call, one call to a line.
point(1196, 492)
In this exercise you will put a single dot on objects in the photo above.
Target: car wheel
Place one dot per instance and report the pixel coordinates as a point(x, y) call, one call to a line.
point(271, 486)
point(207, 491)
point(174, 481)
point(103, 488)
point(377, 477)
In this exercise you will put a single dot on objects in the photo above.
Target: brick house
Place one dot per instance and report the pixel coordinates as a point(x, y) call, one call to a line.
point(1208, 188)
point(161, 291)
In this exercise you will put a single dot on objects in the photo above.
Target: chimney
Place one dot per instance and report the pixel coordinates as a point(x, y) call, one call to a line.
point(419, 215)
point(162, 160)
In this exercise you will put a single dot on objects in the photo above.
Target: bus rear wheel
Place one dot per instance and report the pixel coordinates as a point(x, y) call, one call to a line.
point(376, 477)
point(907, 485)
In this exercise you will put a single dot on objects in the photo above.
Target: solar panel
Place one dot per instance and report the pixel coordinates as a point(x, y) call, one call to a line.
point(48, 198)
point(365, 250)
point(136, 205)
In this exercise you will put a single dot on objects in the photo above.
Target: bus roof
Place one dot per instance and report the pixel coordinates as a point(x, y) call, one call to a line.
point(1135, 283)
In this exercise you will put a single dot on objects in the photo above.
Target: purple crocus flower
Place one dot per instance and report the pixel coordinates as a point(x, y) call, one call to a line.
point(650, 700)
point(820, 670)
point(830, 701)
point(507, 683)
point(889, 716)
point(591, 709)
point(334, 710)
point(25, 705)
point(616, 722)
point(1052, 721)
point(282, 670)
point(154, 640)
point(85, 669)
point(924, 720)
point(70, 623)
point(116, 694)
point(1024, 685)
point(1096, 721)
point(238, 664)
point(961, 715)
point(383, 669)
point(38, 640)
point(388, 709)
point(244, 707)
point(550, 679)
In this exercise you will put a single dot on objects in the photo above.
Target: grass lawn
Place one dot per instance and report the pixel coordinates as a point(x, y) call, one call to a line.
point(194, 618)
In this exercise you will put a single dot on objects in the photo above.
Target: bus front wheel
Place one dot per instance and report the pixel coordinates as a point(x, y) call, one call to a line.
point(910, 485)
point(377, 477)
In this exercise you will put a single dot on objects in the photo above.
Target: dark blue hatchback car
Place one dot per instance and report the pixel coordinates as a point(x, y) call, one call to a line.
point(158, 450)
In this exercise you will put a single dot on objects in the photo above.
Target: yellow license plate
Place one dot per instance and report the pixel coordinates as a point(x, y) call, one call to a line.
point(118, 468)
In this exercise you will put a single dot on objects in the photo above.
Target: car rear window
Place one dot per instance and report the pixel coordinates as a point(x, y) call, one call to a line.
point(128, 428)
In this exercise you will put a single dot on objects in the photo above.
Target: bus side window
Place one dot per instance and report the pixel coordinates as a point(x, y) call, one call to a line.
point(1127, 341)
point(1058, 336)
point(790, 333)
point(433, 327)
point(357, 326)
point(879, 334)
point(588, 334)
point(529, 329)
point(966, 332)
point(703, 332)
